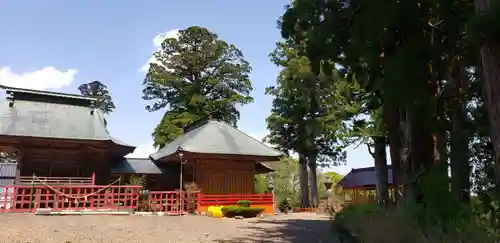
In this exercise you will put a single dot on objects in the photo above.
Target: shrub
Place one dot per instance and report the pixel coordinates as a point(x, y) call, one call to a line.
point(373, 224)
point(353, 213)
point(243, 203)
point(245, 212)
point(284, 206)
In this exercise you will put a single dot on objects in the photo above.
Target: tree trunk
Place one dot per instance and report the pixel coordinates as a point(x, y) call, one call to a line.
point(392, 118)
point(406, 152)
point(459, 151)
point(490, 62)
point(313, 180)
point(304, 187)
point(380, 157)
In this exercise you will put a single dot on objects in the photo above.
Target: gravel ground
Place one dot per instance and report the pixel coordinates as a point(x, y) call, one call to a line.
point(294, 228)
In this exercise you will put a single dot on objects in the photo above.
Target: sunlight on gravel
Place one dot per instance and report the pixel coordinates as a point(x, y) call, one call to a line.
point(24, 228)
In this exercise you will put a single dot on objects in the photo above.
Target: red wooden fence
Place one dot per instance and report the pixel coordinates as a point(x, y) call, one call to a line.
point(36, 180)
point(57, 198)
point(29, 198)
point(232, 199)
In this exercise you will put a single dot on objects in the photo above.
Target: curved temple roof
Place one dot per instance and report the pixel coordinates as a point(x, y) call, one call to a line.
point(363, 177)
point(216, 137)
point(43, 114)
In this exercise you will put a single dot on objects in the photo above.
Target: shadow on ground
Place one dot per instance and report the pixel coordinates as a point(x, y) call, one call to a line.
point(291, 230)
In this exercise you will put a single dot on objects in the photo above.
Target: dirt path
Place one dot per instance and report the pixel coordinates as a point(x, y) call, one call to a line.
point(293, 228)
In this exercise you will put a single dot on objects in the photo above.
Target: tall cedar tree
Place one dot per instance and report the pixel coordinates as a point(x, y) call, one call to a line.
point(100, 91)
point(303, 117)
point(197, 76)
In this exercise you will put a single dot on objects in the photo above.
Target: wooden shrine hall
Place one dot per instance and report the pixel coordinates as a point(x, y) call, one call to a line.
point(64, 135)
point(359, 185)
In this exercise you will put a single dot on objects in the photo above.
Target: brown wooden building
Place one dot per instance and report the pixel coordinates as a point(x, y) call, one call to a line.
point(64, 135)
point(57, 135)
point(218, 158)
point(359, 185)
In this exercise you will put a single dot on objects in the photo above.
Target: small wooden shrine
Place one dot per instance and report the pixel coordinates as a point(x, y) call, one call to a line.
point(218, 158)
point(359, 185)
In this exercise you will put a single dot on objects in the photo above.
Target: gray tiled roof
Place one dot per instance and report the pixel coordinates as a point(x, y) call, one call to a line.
point(363, 177)
point(135, 166)
point(262, 168)
point(52, 115)
point(216, 137)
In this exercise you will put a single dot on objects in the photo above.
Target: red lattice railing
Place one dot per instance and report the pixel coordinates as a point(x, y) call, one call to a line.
point(36, 180)
point(232, 199)
point(169, 202)
point(30, 198)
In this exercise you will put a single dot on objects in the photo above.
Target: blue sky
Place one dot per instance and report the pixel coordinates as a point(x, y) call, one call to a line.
point(60, 45)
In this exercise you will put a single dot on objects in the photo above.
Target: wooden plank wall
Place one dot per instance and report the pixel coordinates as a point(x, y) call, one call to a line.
point(224, 176)
point(64, 163)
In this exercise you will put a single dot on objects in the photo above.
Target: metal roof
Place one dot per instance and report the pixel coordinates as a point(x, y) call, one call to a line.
point(216, 137)
point(52, 115)
point(135, 166)
point(363, 177)
point(262, 168)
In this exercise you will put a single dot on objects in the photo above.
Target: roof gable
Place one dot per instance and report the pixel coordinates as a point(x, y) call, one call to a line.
point(216, 137)
point(363, 177)
point(135, 166)
point(42, 114)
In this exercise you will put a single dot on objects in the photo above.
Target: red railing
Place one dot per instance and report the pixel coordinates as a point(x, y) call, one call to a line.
point(57, 198)
point(169, 202)
point(232, 199)
point(30, 198)
point(304, 210)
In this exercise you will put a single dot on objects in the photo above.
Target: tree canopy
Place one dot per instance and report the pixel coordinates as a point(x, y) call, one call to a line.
point(196, 76)
point(100, 91)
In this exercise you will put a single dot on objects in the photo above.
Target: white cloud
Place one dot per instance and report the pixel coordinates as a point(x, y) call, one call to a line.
point(157, 41)
point(43, 79)
point(142, 151)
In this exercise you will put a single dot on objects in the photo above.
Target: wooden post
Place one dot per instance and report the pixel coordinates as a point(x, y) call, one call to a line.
point(119, 192)
point(32, 188)
point(93, 178)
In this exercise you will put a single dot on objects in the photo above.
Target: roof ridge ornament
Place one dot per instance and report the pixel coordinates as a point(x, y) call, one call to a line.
point(92, 107)
point(10, 98)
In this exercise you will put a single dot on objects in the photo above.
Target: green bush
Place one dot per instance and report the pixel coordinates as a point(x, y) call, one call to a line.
point(354, 213)
point(245, 212)
point(243, 203)
point(284, 206)
point(374, 224)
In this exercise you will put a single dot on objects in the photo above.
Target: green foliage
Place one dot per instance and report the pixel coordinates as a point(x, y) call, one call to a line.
point(243, 203)
point(197, 76)
point(260, 184)
point(412, 66)
point(352, 213)
point(335, 178)
point(303, 115)
point(245, 212)
point(370, 223)
point(137, 181)
point(284, 206)
point(100, 91)
point(286, 179)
